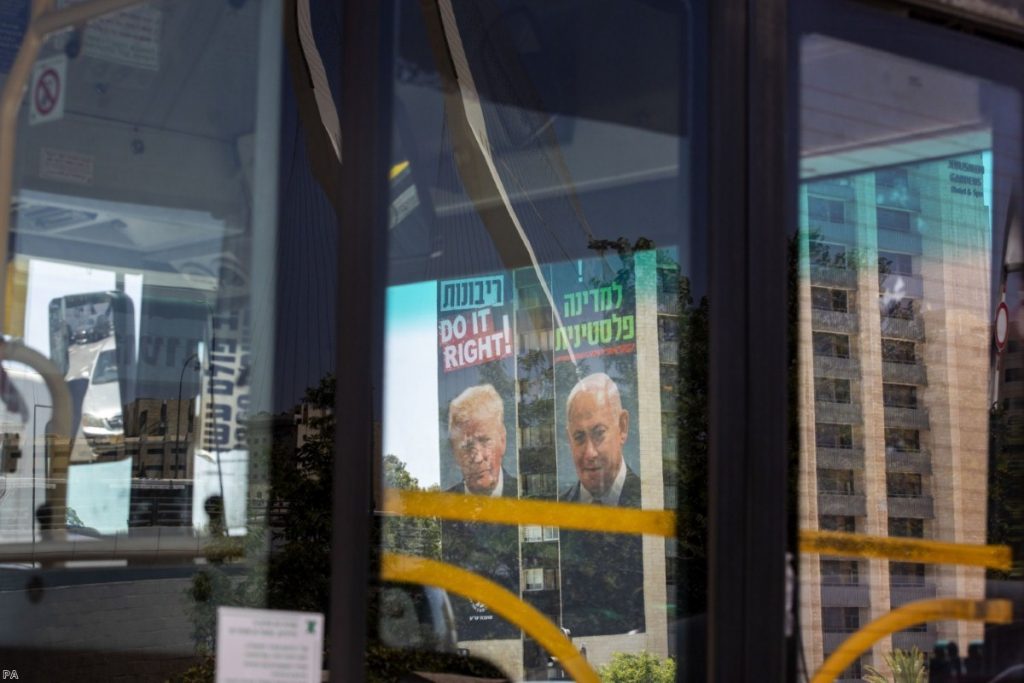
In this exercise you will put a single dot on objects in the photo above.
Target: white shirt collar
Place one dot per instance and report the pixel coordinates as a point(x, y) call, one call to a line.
point(500, 486)
point(610, 498)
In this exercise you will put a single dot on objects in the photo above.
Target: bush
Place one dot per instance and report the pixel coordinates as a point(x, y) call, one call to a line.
point(642, 667)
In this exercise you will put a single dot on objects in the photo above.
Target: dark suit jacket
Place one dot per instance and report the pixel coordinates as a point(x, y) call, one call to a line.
point(509, 488)
point(629, 498)
point(489, 550)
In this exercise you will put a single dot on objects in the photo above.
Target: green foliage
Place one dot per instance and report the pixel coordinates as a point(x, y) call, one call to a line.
point(642, 667)
point(906, 667)
point(410, 535)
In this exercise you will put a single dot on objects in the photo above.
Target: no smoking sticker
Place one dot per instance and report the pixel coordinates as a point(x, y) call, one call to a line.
point(46, 95)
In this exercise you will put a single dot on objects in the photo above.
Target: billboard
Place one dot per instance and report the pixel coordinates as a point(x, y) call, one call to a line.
point(539, 397)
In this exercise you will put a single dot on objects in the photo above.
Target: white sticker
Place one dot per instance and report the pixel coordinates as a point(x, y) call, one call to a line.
point(70, 167)
point(46, 94)
point(130, 37)
point(257, 645)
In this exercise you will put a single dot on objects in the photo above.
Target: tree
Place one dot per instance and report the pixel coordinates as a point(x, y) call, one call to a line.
point(906, 667)
point(640, 667)
point(411, 535)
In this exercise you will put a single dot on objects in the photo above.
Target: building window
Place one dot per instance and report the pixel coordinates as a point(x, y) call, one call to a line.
point(904, 527)
point(828, 210)
point(892, 179)
point(551, 533)
point(824, 299)
point(893, 219)
point(838, 523)
point(903, 485)
point(534, 578)
point(899, 396)
point(835, 481)
point(902, 309)
point(840, 619)
point(831, 390)
point(892, 263)
point(827, 254)
point(1013, 374)
point(896, 351)
point(906, 573)
point(827, 435)
point(532, 534)
point(840, 572)
point(833, 345)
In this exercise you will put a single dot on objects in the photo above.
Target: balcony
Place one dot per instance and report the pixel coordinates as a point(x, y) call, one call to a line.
point(904, 373)
point(832, 189)
point(903, 284)
point(902, 328)
point(844, 595)
point(839, 368)
point(841, 413)
point(916, 507)
point(923, 641)
point(827, 231)
point(898, 197)
point(919, 462)
point(842, 504)
point(911, 418)
point(833, 321)
point(840, 458)
point(831, 276)
point(897, 240)
point(901, 594)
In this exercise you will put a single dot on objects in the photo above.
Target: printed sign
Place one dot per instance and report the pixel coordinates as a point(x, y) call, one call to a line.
point(130, 37)
point(69, 167)
point(46, 93)
point(262, 645)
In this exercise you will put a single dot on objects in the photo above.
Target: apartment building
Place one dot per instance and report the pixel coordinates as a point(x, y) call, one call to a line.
point(894, 391)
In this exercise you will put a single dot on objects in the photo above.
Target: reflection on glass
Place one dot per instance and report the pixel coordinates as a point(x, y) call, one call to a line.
point(140, 208)
point(540, 303)
point(905, 175)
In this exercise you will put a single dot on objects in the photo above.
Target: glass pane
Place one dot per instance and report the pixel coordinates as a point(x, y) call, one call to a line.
point(545, 318)
point(142, 232)
point(924, 162)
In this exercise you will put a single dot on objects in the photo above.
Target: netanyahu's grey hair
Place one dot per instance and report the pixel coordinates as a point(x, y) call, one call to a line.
point(598, 383)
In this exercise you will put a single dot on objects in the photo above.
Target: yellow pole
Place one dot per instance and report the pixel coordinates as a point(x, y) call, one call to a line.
point(410, 569)
point(992, 611)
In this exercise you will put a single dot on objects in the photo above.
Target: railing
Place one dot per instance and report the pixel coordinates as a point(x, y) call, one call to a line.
point(919, 462)
point(915, 507)
point(896, 240)
point(843, 413)
point(833, 366)
point(903, 328)
point(833, 321)
point(836, 277)
point(922, 640)
point(912, 418)
point(852, 504)
point(901, 594)
point(904, 372)
point(840, 595)
point(840, 458)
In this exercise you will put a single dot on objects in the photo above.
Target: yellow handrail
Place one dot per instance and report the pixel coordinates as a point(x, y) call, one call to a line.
point(992, 611)
point(410, 569)
point(905, 549)
point(457, 506)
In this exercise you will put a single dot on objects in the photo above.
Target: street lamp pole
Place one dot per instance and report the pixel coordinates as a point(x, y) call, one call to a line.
point(177, 414)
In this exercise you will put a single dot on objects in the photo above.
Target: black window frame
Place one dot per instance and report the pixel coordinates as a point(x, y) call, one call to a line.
point(745, 186)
